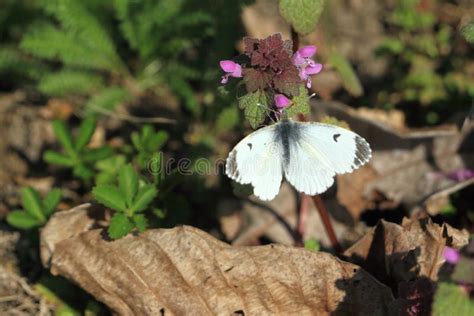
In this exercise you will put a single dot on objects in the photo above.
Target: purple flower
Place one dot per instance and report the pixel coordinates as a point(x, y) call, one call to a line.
point(281, 101)
point(306, 66)
point(451, 255)
point(231, 68)
point(461, 175)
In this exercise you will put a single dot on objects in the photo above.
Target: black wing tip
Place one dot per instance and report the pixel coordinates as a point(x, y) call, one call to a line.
point(231, 166)
point(363, 153)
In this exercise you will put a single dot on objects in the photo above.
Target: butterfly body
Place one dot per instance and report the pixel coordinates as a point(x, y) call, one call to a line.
point(308, 155)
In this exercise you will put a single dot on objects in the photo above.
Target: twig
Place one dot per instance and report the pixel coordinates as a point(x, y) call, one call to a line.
point(295, 38)
point(318, 202)
point(323, 212)
point(302, 216)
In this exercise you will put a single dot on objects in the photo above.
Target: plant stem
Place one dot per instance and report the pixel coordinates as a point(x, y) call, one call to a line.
point(302, 217)
point(318, 202)
point(323, 212)
point(295, 37)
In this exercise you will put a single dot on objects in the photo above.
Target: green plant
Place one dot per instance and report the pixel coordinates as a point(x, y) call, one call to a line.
point(81, 37)
point(77, 155)
point(129, 199)
point(312, 244)
point(303, 15)
point(424, 70)
point(108, 168)
point(36, 211)
point(147, 144)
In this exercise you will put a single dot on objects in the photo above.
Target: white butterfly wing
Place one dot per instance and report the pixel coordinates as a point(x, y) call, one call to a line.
point(320, 151)
point(257, 160)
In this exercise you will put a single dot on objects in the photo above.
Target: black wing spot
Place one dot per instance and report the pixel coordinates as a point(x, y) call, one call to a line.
point(250, 146)
point(335, 137)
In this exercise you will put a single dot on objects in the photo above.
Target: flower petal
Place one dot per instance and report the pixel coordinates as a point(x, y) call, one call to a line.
point(313, 69)
point(297, 59)
point(237, 73)
point(225, 79)
point(281, 101)
point(307, 51)
point(228, 65)
point(451, 255)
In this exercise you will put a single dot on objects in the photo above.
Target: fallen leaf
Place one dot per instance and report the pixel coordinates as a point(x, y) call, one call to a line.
point(394, 253)
point(185, 271)
point(407, 165)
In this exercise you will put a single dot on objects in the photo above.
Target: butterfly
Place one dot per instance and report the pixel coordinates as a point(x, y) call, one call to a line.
point(307, 154)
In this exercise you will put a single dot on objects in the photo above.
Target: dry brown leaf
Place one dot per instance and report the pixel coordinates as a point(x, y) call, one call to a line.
point(394, 253)
point(439, 199)
point(407, 165)
point(185, 271)
point(276, 220)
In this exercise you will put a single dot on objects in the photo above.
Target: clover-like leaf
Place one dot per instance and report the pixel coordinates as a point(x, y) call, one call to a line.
point(120, 225)
point(303, 15)
point(255, 106)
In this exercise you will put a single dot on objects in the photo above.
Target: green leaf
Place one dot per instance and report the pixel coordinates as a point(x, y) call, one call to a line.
point(18, 66)
point(255, 106)
point(55, 158)
point(303, 15)
point(452, 299)
point(128, 183)
point(141, 223)
point(22, 220)
point(82, 171)
point(350, 81)
point(111, 164)
point(64, 137)
point(144, 197)
point(107, 100)
point(51, 201)
point(32, 203)
point(157, 141)
point(67, 82)
point(227, 119)
point(96, 154)
point(110, 196)
point(312, 244)
point(467, 32)
point(120, 225)
point(86, 130)
point(299, 104)
point(108, 169)
point(136, 141)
